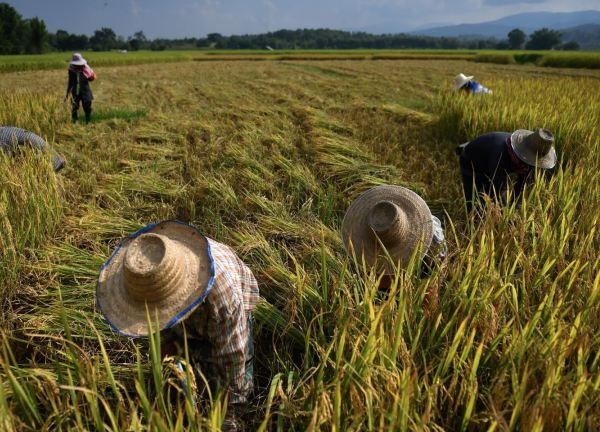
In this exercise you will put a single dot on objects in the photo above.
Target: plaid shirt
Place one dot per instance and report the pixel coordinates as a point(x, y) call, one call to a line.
point(222, 319)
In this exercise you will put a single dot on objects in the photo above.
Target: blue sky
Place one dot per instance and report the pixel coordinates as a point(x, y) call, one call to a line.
point(180, 18)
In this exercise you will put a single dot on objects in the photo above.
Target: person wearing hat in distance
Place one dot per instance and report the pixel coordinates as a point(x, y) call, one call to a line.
point(184, 278)
point(11, 137)
point(468, 85)
point(387, 225)
point(487, 162)
point(80, 74)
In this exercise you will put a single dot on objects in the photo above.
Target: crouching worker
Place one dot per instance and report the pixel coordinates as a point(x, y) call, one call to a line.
point(387, 225)
point(487, 162)
point(186, 279)
point(12, 137)
point(468, 85)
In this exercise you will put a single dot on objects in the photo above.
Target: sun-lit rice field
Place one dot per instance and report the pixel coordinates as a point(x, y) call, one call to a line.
point(59, 60)
point(266, 157)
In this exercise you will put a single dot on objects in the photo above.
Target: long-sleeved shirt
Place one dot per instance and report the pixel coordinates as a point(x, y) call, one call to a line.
point(222, 319)
point(486, 161)
point(79, 86)
point(438, 241)
point(476, 88)
point(11, 136)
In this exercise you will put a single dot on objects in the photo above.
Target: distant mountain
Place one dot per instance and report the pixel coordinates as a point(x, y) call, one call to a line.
point(586, 35)
point(528, 22)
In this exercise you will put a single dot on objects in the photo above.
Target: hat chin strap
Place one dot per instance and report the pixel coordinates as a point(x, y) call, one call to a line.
point(388, 222)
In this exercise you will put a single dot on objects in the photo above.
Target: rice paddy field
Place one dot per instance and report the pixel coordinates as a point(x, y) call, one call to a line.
point(57, 60)
point(266, 157)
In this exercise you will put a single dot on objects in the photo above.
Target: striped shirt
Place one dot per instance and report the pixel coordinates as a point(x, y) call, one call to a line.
point(11, 136)
point(222, 319)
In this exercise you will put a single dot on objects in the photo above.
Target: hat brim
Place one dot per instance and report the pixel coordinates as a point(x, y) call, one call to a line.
point(78, 62)
point(458, 86)
point(128, 316)
point(359, 238)
point(530, 158)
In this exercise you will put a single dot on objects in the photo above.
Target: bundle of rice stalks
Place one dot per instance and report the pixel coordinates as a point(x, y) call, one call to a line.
point(31, 207)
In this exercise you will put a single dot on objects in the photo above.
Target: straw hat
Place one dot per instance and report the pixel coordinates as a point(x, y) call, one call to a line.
point(166, 267)
point(77, 60)
point(390, 217)
point(534, 148)
point(460, 80)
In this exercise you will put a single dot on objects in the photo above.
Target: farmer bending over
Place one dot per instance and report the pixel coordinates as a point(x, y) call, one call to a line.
point(468, 85)
point(185, 278)
point(11, 137)
point(487, 162)
point(386, 225)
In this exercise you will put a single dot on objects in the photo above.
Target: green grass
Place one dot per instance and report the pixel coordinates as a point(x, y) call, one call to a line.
point(13, 63)
point(339, 51)
point(565, 59)
point(266, 157)
point(498, 58)
point(588, 61)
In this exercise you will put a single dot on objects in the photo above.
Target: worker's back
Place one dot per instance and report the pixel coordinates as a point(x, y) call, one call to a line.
point(11, 136)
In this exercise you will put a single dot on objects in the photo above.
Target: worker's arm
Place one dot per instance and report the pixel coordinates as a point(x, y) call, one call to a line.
point(522, 181)
point(519, 186)
point(229, 336)
point(70, 83)
point(438, 247)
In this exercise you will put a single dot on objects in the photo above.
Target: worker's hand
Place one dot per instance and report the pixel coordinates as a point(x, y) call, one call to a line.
point(231, 423)
point(168, 348)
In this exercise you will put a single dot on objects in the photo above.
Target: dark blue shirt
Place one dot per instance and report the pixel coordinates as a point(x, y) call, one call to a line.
point(79, 86)
point(474, 87)
point(487, 161)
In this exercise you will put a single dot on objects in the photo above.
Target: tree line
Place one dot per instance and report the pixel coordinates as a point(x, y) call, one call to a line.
point(21, 36)
point(542, 39)
point(18, 36)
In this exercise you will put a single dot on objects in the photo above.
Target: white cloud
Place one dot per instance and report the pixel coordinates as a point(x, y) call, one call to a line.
point(135, 8)
point(510, 2)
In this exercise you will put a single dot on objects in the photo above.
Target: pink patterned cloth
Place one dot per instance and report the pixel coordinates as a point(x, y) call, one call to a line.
point(86, 70)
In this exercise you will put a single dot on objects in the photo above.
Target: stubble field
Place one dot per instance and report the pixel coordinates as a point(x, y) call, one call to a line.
point(266, 157)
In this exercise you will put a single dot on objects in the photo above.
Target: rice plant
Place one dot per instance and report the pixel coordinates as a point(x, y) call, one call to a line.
point(266, 157)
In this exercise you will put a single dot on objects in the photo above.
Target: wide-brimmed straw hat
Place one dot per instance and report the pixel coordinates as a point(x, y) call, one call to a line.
point(164, 269)
point(534, 148)
point(460, 80)
point(77, 60)
point(387, 222)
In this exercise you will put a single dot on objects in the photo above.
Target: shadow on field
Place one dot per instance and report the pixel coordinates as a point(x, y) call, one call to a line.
point(321, 70)
point(113, 114)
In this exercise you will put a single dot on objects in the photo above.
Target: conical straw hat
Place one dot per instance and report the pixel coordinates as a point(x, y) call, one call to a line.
point(166, 269)
point(460, 80)
point(77, 60)
point(387, 221)
point(534, 148)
